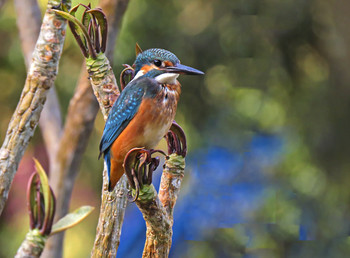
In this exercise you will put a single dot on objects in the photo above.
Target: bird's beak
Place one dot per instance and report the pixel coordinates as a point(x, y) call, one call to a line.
point(183, 69)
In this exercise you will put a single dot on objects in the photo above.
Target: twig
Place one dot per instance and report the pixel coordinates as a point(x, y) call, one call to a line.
point(41, 76)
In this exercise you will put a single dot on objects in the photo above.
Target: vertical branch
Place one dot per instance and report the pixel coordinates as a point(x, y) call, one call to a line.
point(111, 218)
point(40, 78)
point(159, 227)
point(81, 115)
point(113, 203)
point(170, 183)
point(159, 231)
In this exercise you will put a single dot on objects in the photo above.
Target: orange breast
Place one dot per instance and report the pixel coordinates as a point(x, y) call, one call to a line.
point(146, 129)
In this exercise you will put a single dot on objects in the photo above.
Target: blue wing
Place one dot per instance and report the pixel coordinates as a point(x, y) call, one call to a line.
point(123, 110)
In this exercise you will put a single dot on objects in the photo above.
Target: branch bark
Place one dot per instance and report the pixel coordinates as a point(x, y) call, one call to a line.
point(157, 210)
point(81, 115)
point(32, 246)
point(50, 122)
point(40, 78)
point(28, 24)
point(113, 203)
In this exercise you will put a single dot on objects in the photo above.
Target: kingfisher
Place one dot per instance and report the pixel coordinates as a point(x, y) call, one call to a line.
point(145, 109)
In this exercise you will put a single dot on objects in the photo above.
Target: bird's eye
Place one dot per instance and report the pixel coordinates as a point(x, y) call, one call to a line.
point(157, 62)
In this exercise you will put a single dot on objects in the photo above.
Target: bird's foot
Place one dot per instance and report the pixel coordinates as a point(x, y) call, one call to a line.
point(176, 140)
point(139, 166)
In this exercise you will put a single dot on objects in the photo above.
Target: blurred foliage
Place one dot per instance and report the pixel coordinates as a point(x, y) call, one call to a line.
point(273, 67)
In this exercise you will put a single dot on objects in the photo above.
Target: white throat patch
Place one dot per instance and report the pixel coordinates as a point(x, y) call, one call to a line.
point(139, 74)
point(167, 78)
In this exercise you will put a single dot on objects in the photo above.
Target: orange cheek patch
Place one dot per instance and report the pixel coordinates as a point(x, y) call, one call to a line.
point(147, 68)
point(168, 63)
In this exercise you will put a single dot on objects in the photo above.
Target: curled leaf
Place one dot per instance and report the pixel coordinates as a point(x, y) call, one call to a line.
point(176, 140)
point(80, 33)
point(102, 22)
point(45, 207)
point(44, 186)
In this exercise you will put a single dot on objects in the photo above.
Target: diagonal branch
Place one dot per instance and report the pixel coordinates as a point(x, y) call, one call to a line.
point(40, 78)
point(28, 23)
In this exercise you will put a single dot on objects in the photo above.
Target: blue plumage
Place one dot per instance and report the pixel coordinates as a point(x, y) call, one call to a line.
point(156, 72)
point(123, 110)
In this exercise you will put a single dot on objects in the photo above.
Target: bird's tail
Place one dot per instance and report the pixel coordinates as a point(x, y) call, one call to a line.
point(107, 158)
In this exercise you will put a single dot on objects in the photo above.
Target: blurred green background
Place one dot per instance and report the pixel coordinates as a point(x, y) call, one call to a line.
point(274, 68)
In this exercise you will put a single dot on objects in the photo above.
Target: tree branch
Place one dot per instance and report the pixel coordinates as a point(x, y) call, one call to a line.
point(28, 23)
point(40, 78)
point(113, 203)
point(111, 218)
point(159, 232)
point(157, 210)
point(81, 115)
point(170, 183)
point(50, 122)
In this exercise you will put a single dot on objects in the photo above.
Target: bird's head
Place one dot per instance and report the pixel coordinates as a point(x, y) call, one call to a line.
point(162, 65)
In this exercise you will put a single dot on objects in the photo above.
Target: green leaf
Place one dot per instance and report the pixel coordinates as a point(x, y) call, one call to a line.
point(71, 219)
point(31, 201)
point(79, 30)
point(85, 18)
point(45, 187)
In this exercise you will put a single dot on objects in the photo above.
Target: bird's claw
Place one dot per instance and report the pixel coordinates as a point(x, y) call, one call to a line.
point(139, 166)
point(176, 140)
